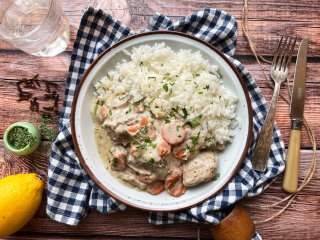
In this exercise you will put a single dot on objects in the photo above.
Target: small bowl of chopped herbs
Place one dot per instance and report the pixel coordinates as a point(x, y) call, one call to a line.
point(22, 138)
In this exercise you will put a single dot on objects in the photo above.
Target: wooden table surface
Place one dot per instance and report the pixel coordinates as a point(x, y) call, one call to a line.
point(267, 20)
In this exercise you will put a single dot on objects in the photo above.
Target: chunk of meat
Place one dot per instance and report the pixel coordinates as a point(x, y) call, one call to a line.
point(200, 169)
point(156, 188)
point(163, 148)
point(131, 178)
point(173, 132)
point(173, 183)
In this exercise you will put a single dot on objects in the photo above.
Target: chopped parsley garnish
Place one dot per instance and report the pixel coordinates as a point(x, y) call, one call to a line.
point(110, 112)
point(141, 63)
point(142, 146)
point(216, 177)
point(167, 120)
point(206, 87)
point(190, 149)
point(144, 130)
point(196, 75)
point(193, 122)
point(115, 162)
point(185, 112)
point(153, 78)
point(195, 139)
point(165, 87)
point(200, 92)
point(152, 161)
point(137, 103)
point(129, 110)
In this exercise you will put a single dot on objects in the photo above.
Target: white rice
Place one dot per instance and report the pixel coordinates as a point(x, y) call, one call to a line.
point(172, 79)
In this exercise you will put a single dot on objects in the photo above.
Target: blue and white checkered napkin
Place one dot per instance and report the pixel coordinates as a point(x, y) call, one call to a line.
point(70, 190)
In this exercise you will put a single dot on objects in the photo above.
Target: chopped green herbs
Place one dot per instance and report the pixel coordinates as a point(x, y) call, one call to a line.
point(191, 149)
point(206, 87)
point(152, 78)
point(185, 112)
point(110, 112)
point(47, 132)
point(115, 162)
point(195, 139)
point(167, 120)
point(216, 177)
point(200, 92)
point(194, 122)
point(152, 161)
point(141, 63)
point(19, 137)
point(165, 87)
point(137, 103)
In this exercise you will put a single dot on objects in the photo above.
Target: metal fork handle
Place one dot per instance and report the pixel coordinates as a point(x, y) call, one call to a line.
point(262, 149)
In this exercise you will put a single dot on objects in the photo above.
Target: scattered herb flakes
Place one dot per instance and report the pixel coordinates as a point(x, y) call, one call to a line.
point(196, 75)
point(216, 177)
point(190, 149)
point(206, 87)
point(200, 92)
point(137, 103)
point(165, 87)
point(185, 112)
point(142, 146)
point(144, 130)
point(110, 112)
point(115, 162)
point(141, 63)
point(195, 139)
point(129, 110)
point(152, 78)
point(152, 161)
point(19, 137)
point(47, 132)
point(194, 122)
point(167, 120)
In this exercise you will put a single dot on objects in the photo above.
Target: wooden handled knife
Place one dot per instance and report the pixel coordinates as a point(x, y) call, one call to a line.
point(290, 181)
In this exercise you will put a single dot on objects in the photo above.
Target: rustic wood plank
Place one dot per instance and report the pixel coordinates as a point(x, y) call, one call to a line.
point(268, 20)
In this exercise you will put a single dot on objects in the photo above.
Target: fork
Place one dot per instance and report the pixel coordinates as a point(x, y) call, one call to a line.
point(278, 73)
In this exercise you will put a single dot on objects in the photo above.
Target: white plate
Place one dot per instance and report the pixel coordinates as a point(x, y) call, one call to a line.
point(83, 135)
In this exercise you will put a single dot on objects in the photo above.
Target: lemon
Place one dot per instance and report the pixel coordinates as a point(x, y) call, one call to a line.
point(20, 198)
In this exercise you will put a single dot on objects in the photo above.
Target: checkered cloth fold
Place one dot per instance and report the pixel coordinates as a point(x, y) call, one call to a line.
point(70, 190)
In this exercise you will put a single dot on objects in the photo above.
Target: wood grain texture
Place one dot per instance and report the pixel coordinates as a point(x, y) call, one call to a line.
point(268, 20)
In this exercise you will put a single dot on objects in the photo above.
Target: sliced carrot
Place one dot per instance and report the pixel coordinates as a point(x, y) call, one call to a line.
point(156, 188)
point(172, 178)
point(173, 132)
point(163, 148)
point(144, 121)
point(178, 190)
point(133, 129)
point(134, 151)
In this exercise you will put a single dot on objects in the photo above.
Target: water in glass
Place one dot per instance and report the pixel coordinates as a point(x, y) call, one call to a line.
point(37, 27)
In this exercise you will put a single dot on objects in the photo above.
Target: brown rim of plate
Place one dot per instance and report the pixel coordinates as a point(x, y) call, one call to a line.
point(73, 132)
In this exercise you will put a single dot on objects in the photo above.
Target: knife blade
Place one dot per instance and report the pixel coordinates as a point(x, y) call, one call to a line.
point(290, 180)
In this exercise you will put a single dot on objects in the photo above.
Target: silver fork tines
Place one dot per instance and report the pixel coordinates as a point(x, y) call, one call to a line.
point(278, 72)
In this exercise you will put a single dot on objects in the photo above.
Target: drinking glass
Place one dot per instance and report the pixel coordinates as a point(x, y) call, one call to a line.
point(37, 27)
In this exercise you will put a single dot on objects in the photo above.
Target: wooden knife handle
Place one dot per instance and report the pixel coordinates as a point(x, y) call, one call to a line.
point(290, 180)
